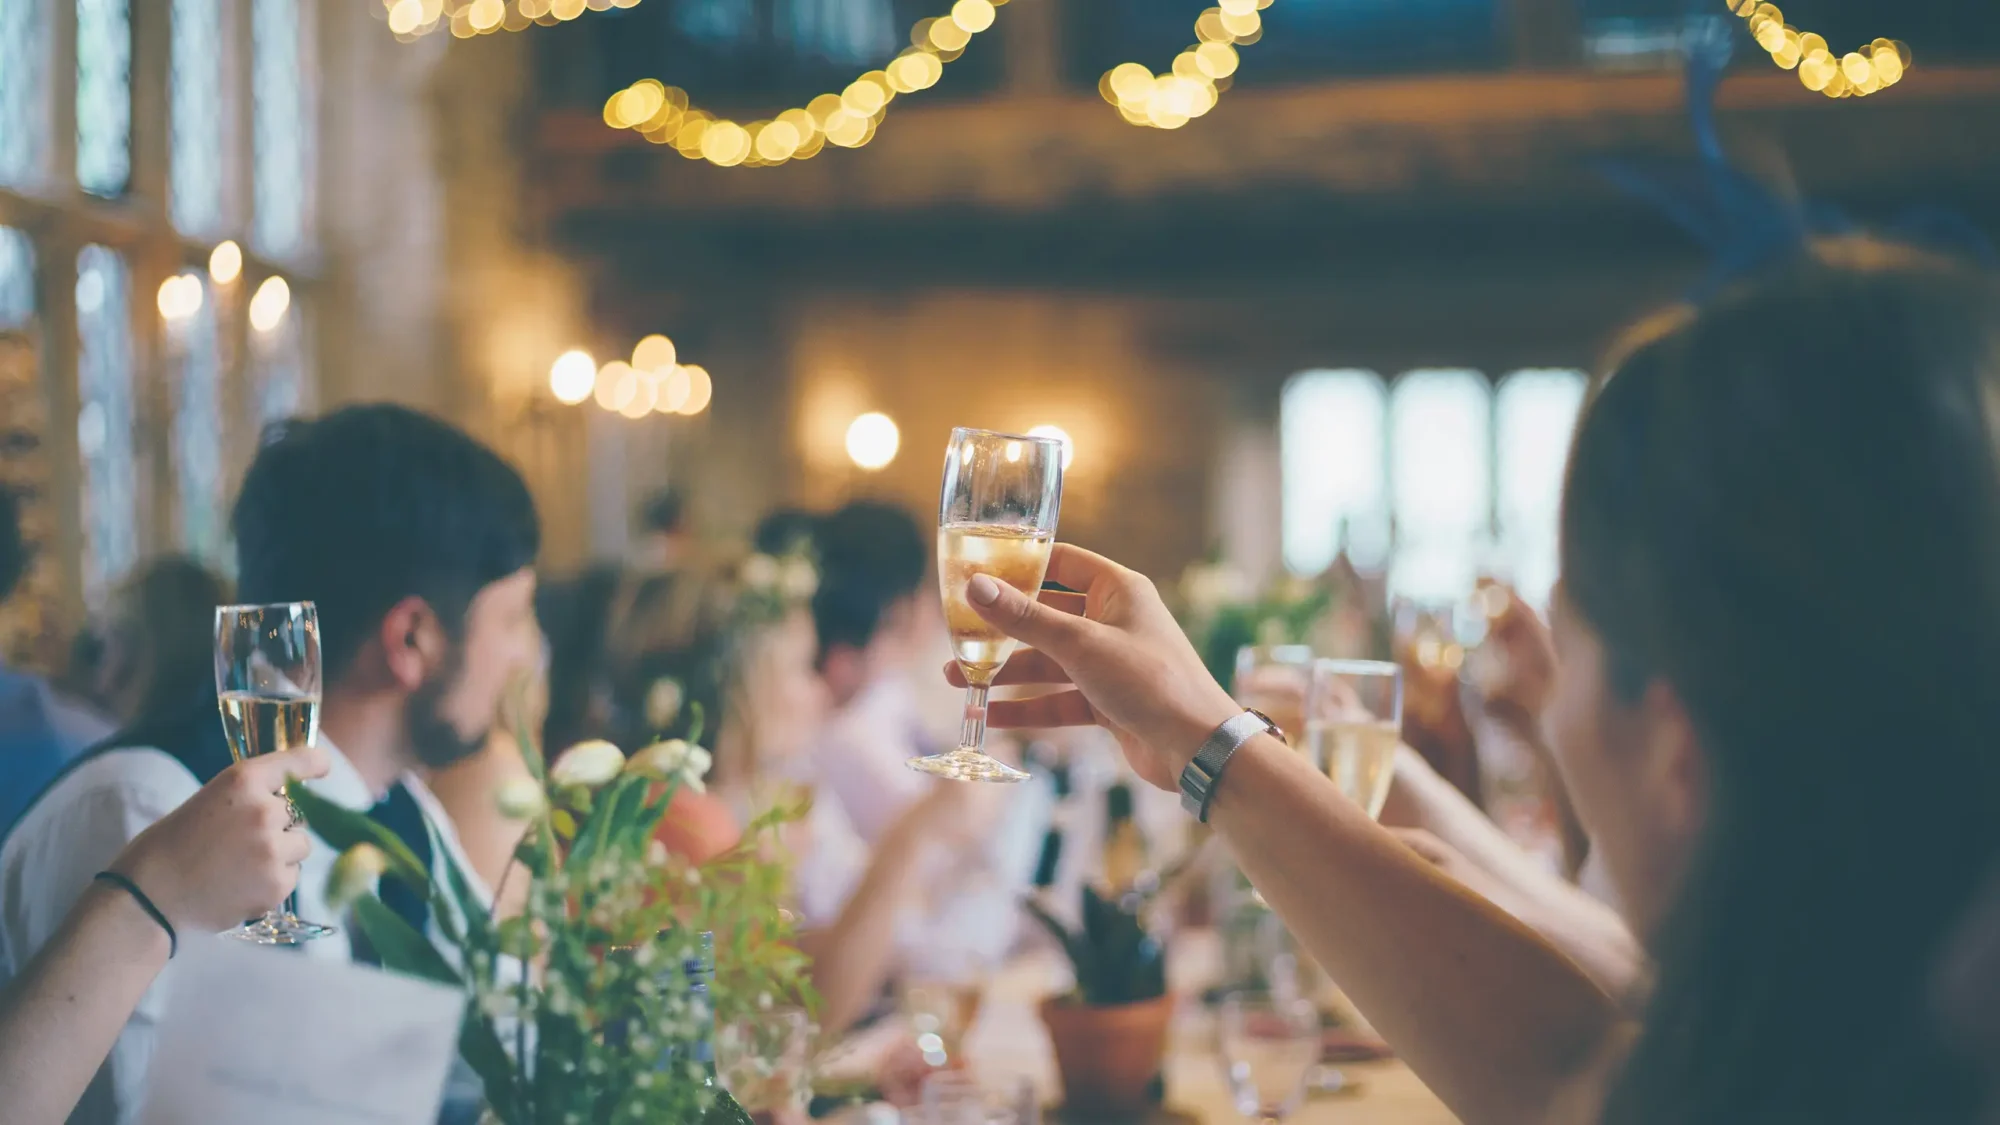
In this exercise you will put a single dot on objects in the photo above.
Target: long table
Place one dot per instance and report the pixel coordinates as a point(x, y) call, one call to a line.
point(1007, 1039)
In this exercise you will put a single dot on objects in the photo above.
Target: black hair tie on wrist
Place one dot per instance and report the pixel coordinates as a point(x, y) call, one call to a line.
point(145, 904)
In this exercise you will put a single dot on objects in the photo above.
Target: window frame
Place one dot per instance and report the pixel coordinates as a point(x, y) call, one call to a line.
point(1498, 539)
point(60, 219)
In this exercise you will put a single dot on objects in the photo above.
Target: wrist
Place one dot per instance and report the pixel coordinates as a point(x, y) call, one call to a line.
point(1192, 725)
point(125, 921)
point(157, 883)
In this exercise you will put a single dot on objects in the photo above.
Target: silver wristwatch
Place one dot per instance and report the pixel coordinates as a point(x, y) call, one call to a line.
point(1198, 780)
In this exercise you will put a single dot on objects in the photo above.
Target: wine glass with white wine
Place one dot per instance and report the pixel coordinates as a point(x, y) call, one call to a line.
point(1354, 722)
point(997, 517)
point(267, 680)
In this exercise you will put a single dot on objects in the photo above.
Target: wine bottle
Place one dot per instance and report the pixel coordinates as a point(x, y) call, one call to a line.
point(726, 1110)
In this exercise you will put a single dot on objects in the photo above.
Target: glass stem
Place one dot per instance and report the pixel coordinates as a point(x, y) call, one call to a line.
point(972, 736)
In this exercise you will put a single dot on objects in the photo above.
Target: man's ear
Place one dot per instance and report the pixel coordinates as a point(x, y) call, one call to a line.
point(413, 642)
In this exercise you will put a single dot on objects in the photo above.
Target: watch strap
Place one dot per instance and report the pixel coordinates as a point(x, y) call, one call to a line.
point(1199, 779)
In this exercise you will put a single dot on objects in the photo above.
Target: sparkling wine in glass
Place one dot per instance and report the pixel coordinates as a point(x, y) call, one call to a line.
point(997, 517)
point(1270, 1047)
point(1354, 721)
point(267, 679)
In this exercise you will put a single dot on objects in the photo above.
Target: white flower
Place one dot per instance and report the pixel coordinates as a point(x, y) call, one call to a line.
point(589, 764)
point(800, 579)
point(663, 702)
point(521, 798)
point(661, 759)
point(656, 853)
point(760, 572)
point(355, 874)
point(676, 759)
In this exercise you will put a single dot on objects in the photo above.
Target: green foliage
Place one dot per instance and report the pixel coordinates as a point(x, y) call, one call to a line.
point(1117, 959)
point(581, 1009)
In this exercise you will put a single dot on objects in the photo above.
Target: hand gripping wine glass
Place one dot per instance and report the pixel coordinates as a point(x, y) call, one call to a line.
point(996, 516)
point(267, 680)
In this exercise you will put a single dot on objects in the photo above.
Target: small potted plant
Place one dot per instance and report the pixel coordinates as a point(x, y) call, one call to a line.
point(1110, 1033)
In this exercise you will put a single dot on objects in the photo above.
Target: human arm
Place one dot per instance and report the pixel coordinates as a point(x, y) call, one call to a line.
point(1440, 824)
point(1497, 1021)
point(852, 955)
point(224, 855)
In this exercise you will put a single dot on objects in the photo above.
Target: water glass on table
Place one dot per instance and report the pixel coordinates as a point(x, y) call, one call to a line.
point(1270, 1046)
point(956, 1097)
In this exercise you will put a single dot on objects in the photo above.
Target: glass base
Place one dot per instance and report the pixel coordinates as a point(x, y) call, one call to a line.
point(967, 765)
point(280, 929)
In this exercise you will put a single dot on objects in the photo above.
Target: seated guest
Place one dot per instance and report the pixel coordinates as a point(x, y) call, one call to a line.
point(1736, 678)
point(40, 731)
point(873, 559)
point(745, 664)
point(417, 544)
point(157, 638)
point(227, 853)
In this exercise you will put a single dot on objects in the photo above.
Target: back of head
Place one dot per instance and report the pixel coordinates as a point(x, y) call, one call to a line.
point(1788, 507)
point(785, 531)
point(369, 505)
point(871, 556)
point(161, 633)
point(663, 513)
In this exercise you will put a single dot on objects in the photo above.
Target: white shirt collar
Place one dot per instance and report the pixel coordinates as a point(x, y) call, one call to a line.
point(343, 784)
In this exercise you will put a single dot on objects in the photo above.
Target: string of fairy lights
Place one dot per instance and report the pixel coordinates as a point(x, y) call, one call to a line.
point(1199, 75)
point(410, 20)
point(1191, 87)
point(664, 115)
point(1877, 66)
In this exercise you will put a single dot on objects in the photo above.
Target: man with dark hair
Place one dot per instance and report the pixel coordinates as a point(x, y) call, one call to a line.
point(662, 543)
point(417, 545)
point(39, 730)
point(871, 602)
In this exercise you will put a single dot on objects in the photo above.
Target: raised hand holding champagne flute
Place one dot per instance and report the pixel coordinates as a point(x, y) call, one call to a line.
point(997, 517)
point(267, 682)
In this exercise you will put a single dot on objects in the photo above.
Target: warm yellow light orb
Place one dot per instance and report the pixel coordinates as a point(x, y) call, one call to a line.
point(572, 376)
point(872, 441)
point(269, 303)
point(225, 263)
point(654, 354)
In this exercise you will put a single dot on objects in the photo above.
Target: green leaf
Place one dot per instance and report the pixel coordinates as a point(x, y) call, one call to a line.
point(480, 1045)
point(401, 948)
point(343, 828)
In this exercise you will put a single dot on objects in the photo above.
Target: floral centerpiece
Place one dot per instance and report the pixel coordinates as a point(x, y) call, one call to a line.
point(593, 1005)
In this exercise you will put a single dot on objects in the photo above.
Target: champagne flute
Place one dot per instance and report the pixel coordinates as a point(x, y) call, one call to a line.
point(267, 680)
point(997, 517)
point(1354, 722)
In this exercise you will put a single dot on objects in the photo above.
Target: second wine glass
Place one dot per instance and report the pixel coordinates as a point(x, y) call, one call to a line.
point(996, 516)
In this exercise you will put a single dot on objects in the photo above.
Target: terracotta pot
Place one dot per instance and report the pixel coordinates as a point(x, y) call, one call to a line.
point(1108, 1056)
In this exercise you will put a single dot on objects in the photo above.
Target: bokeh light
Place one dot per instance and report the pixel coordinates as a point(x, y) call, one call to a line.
point(872, 441)
point(269, 304)
point(225, 262)
point(655, 354)
point(572, 377)
point(180, 297)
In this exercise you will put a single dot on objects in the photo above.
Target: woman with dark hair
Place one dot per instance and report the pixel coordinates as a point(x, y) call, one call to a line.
point(1779, 615)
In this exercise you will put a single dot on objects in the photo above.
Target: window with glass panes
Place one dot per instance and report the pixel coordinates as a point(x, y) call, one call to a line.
point(78, 258)
point(1438, 477)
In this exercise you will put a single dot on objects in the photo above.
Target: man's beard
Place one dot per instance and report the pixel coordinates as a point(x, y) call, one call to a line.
point(436, 741)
